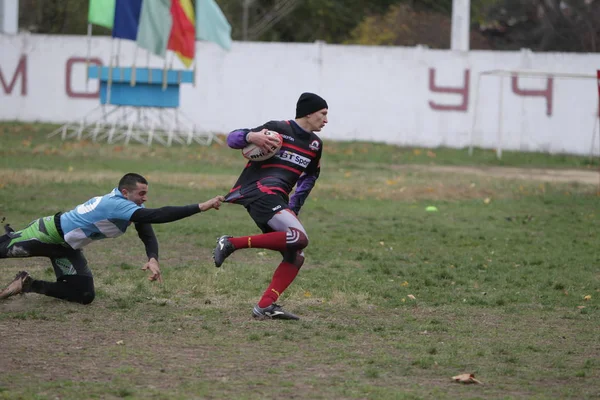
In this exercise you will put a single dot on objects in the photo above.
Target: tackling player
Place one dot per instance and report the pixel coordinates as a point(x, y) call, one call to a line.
point(263, 188)
point(61, 237)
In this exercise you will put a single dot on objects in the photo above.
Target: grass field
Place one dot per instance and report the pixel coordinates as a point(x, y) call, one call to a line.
point(503, 281)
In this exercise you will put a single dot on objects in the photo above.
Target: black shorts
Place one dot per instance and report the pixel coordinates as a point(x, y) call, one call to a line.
point(263, 209)
point(260, 205)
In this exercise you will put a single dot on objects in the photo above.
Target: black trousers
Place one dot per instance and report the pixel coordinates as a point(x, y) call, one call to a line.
point(74, 280)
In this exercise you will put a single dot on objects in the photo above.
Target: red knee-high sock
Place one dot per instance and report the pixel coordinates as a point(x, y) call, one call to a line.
point(284, 275)
point(271, 241)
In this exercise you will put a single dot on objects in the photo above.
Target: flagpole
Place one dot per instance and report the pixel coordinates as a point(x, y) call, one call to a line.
point(118, 52)
point(119, 59)
point(110, 68)
point(170, 67)
point(164, 82)
point(194, 73)
point(87, 59)
point(148, 66)
point(132, 83)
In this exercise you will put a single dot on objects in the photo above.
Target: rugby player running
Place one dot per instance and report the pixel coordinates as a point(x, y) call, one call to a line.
point(264, 188)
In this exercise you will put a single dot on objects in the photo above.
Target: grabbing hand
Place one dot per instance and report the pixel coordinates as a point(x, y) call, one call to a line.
point(265, 142)
point(212, 203)
point(152, 266)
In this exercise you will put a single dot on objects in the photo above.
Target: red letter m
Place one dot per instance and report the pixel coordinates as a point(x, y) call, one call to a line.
point(22, 70)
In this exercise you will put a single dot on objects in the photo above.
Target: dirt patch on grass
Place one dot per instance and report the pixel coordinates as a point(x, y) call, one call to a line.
point(412, 183)
point(27, 177)
point(587, 177)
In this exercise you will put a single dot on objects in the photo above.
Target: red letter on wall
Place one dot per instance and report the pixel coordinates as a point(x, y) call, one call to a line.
point(69, 73)
point(547, 93)
point(22, 70)
point(463, 91)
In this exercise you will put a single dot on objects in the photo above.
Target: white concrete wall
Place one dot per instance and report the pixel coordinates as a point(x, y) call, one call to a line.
point(406, 96)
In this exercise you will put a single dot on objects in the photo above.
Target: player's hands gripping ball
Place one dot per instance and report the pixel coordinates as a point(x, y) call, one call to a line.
point(262, 145)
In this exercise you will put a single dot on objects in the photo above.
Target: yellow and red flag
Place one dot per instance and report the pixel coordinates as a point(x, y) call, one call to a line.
point(182, 39)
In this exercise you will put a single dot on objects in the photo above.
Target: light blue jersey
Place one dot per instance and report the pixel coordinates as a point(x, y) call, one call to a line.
point(100, 217)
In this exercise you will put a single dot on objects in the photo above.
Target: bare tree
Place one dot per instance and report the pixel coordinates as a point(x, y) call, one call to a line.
point(545, 25)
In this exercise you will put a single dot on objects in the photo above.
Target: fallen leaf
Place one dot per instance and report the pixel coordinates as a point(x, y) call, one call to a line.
point(465, 378)
point(120, 342)
point(410, 296)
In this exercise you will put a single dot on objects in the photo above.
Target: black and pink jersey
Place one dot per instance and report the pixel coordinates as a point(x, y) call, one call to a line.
point(297, 163)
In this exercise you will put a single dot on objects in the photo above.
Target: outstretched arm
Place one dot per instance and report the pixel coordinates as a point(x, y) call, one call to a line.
point(173, 213)
point(144, 217)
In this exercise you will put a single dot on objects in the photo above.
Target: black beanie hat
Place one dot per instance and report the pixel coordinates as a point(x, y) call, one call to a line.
point(308, 103)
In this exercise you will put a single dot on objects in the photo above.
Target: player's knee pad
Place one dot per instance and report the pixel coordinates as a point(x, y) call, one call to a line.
point(81, 288)
point(296, 239)
point(88, 295)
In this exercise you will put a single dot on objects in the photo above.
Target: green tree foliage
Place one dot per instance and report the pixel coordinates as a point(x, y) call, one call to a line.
point(56, 17)
point(541, 25)
point(327, 20)
point(405, 25)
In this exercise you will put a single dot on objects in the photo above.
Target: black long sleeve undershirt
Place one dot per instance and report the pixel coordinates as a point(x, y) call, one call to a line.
point(143, 217)
point(163, 214)
point(147, 236)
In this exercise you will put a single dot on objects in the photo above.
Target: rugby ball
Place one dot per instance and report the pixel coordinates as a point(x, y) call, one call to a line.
point(254, 153)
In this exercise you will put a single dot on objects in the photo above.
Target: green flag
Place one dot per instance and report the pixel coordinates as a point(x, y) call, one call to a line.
point(102, 12)
point(155, 26)
point(211, 24)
